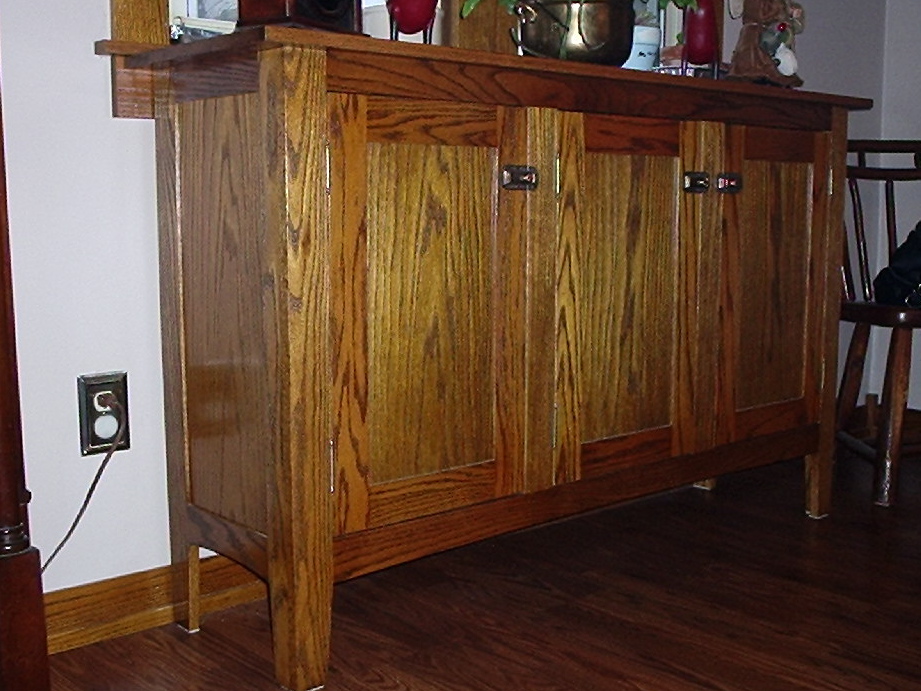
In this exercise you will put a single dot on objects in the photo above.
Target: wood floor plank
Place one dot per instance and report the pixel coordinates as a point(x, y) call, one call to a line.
point(729, 590)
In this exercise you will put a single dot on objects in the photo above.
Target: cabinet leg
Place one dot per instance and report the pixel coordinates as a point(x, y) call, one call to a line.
point(192, 623)
point(819, 471)
point(301, 634)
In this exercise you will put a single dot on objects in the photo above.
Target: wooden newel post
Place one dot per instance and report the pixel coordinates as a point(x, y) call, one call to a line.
point(23, 637)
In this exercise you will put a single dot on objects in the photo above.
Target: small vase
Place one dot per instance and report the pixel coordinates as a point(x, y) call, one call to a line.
point(411, 17)
point(700, 34)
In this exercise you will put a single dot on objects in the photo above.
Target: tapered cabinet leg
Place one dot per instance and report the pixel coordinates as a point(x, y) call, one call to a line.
point(301, 624)
point(192, 623)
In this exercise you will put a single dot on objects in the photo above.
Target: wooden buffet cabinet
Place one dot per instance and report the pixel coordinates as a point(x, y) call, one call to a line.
point(376, 347)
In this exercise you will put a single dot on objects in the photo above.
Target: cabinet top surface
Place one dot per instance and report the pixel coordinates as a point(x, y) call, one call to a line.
point(368, 65)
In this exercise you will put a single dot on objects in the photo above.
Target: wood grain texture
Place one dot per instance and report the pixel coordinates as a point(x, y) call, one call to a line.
point(247, 546)
point(371, 550)
point(349, 308)
point(210, 77)
point(132, 91)
point(301, 508)
point(401, 500)
point(511, 309)
point(770, 418)
point(775, 228)
point(431, 122)
point(140, 21)
point(115, 607)
point(828, 193)
point(418, 333)
point(340, 46)
point(443, 304)
point(543, 231)
point(527, 84)
point(701, 369)
point(635, 448)
point(226, 272)
point(630, 293)
point(568, 402)
point(631, 135)
point(487, 28)
point(172, 335)
point(431, 372)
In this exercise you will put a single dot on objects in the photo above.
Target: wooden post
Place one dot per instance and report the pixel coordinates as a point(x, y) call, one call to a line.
point(23, 639)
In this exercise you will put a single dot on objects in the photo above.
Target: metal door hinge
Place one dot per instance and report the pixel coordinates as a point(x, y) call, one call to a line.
point(553, 425)
point(332, 466)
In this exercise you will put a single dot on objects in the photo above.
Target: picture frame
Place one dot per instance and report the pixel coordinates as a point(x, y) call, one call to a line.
point(196, 19)
point(192, 19)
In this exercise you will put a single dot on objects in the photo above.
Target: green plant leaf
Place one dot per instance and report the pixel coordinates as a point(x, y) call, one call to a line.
point(468, 7)
point(682, 4)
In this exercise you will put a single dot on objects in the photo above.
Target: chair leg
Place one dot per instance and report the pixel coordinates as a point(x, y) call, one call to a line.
point(852, 376)
point(895, 399)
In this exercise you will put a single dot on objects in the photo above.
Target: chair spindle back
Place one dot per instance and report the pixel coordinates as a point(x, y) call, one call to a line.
point(860, 174)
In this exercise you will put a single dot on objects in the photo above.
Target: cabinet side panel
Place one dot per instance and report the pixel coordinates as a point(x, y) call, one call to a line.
point(225, 286)
point(430, 244)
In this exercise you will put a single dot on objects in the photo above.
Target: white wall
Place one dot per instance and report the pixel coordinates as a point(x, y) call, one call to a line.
point(82, 190)
point(841, 51)
point(83, 237)
point(902, 88)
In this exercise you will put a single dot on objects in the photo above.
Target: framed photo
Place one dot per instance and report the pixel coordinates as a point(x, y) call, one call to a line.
point(195, 19)
point(221, 10)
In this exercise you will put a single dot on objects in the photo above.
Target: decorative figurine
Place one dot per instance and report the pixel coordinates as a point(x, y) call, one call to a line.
point(765, 50)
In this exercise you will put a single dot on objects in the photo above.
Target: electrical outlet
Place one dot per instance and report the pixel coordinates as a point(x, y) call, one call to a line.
point(99, 423)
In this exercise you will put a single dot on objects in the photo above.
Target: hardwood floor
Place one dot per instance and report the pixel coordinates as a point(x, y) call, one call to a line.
point(730, 590)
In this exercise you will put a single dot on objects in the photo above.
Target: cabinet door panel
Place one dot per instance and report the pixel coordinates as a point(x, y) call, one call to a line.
point(628, 288)
point(774, 252)
point(770, 246)
point(413, 186)
point(429, 308)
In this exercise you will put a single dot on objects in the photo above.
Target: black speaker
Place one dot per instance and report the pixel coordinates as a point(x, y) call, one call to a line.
point(336, 15)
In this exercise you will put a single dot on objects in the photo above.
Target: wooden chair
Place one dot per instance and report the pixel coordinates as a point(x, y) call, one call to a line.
point(882, 440)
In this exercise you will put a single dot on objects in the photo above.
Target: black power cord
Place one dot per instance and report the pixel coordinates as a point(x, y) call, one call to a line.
point(109, 400)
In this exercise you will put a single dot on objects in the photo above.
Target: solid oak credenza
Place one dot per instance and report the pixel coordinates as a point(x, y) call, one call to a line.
point(416, 296)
